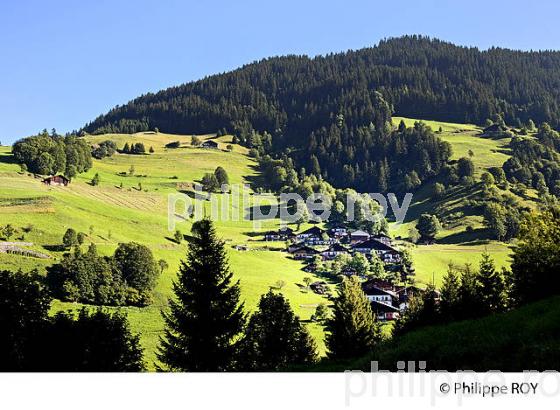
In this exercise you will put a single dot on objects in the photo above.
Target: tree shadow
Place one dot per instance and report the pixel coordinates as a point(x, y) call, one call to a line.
point(263, 213)
point(480, 236)
point(8, 158)
point(204, 196)
point(54, 248)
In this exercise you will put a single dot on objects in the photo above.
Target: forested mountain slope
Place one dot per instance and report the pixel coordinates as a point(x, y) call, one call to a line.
point(293, 95)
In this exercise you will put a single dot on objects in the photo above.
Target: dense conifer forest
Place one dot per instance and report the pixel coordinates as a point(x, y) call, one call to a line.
point(294, 95)
point(331, 114)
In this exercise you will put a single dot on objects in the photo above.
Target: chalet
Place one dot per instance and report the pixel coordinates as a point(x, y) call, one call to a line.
point(209, 144)
point(313, 236)
point(333, 251)
point(381, 237)
point(279, 235)
point(384, 311)
point(295, 246)
point(337, 232)
point(387, 253)
point(59, 180)
point(374, 293)
point(381, 284)
point(358, 236)
point(305, 252)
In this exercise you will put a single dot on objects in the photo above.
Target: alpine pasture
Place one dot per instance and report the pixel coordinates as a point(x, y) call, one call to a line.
point(131, 204)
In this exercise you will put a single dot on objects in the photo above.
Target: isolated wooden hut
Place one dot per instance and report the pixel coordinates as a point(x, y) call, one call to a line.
point(58, 180)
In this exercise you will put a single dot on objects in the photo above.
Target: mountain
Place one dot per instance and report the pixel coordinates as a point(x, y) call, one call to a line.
point(291, 96)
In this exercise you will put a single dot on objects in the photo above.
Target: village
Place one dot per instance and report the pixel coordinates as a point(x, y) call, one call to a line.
point(320, 249)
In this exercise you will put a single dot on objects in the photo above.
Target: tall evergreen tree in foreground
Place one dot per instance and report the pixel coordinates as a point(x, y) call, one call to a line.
point(274, 338)
point(352, 330)
point(205, 317)
point(491, 284)
point(450, 295)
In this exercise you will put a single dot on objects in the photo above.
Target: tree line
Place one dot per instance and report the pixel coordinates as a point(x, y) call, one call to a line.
point(467, 293)
point(128, 277)
point(49, 154)
point(33, 340)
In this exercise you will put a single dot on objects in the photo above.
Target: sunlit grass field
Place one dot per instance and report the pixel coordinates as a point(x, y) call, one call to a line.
point(109, 214)
point(126, 208)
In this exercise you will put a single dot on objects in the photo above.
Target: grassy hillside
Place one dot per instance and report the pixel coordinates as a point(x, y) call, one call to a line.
point(109, 214)
point(454, 244)
point(114, 215)
point(524, 339)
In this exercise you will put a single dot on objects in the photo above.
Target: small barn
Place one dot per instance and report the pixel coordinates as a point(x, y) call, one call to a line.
point(58, 180)
point(209, 144)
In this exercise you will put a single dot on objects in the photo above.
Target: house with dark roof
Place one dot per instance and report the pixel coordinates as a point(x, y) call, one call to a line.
point(337, 232)
point(382, 284)
point(59, 180)
point(333, 251)
point(383, 302)
point(279, 235)
point(387, 253)
point(405, 293)
point(384, 312)
point(374, 293)
point(358, 236)
point(295, 246)
point(314, 236)
point(381, 237)
point(209, 144)
point(305, 252)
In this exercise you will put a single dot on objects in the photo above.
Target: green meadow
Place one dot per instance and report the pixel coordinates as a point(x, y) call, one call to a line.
point(454, 245)
point(109, 214)
point(133, 206)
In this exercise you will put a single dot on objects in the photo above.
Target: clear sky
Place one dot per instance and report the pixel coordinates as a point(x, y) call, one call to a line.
point(62, 63)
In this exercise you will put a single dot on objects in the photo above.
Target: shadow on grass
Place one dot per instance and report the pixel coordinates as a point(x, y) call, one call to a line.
point(54, 248)
point(476, 237)
point(7, 158)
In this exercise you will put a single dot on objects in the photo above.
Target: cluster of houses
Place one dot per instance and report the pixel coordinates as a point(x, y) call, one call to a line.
point(336, 241)
point(387, 300)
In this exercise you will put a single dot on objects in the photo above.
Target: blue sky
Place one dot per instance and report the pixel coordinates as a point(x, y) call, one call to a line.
point(64, 62)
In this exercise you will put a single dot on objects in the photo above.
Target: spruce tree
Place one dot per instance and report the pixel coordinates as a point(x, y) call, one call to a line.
point(352, 331)
point(491, 285)
point(470, 304)
point(422, 311)
point(449, 300)
point(275, 338)
point(205, 317)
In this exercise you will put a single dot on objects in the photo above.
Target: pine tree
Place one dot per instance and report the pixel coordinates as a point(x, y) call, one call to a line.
point(315, 167)
point(275, 338)
point(126, 148)
point(491, 285)
point(470, 304)
point(352, 331)
point(205, 317)
point(449, 300)
point(422, 311)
